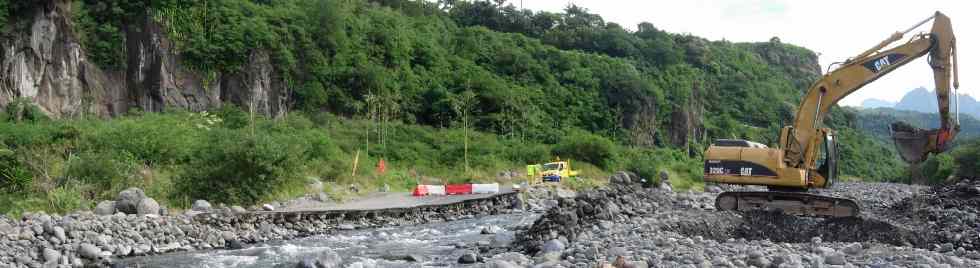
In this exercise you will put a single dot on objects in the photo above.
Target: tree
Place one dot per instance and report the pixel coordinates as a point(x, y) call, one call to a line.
point(463, 104)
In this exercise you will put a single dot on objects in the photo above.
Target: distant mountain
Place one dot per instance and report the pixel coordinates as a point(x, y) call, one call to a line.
point(924, 100)
point(877, 103)
point(876, 122)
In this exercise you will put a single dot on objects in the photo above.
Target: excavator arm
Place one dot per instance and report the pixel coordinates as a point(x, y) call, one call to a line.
point(801, 140)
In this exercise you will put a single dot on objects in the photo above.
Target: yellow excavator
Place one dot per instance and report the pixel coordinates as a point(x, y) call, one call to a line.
point(807, 155)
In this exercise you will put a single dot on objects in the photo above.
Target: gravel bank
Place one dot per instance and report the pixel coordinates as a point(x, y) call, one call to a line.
point(900, 226)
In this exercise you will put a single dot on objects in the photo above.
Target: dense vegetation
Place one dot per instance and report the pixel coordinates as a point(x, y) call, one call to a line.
point(398, 79)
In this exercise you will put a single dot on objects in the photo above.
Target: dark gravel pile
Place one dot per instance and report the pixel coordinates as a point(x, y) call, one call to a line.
point(658, 228)
point(946, 214)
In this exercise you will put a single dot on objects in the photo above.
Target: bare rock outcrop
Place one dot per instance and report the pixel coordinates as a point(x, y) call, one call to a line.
point(42, 61)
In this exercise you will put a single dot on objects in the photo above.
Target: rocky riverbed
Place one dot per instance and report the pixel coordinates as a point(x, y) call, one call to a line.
point(622, 224)
point(90, 239)
point(631, 226)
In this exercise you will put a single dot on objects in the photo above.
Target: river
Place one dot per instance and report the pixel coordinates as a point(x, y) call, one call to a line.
point(435, 243)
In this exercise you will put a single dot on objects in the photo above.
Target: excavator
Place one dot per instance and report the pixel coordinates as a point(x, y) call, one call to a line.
point(807, 156)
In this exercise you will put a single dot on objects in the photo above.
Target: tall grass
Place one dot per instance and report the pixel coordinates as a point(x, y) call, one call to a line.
point(226, 157)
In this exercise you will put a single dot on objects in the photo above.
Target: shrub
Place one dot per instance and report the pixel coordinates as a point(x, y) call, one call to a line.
point(588, 147)
point(14, 176)
point(937, 168)
point(232, 116)
point(237, 168)
point(23, 110)
point(106, 170)
point(967, 159)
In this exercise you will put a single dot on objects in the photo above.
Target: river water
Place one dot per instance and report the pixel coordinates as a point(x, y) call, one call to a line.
point(381, 247)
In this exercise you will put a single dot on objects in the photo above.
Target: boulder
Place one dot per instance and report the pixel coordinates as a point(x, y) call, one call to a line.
point(89, 251)
point(60, 233)
point(238, 209)
point(467, 258)
point(129, 200)
point(148, 206)
point(51, 255)
point(620, 177)
point(268, 207)
point(553, 245)
point(201, 205)
point(105, 208)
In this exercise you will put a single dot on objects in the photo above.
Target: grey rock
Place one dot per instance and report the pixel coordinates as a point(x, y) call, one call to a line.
point(89, 251)
point(60, 233)
point(51, 255)
point(238, 209)
point(268, 207)
point(459, 245)
point(346, 227)
point(105, 208)
point(835, 259)
point(233, 244)
point(553, 245)
point(201, 205)
point(712, 189)
point(620, 177)
point(502, 264)
point(26, 234)
point(307, 263)
point(853, 249)
point(467, 258)
point(128, 200)
point(148, 206)
point(760, 261)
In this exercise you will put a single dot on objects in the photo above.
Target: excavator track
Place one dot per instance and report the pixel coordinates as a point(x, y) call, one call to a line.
point(800, 204)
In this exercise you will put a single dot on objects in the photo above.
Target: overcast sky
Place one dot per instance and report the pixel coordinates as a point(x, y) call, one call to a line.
point(834, 29)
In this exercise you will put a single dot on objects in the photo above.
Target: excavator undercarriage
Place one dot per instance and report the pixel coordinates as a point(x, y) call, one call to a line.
point(795, 203)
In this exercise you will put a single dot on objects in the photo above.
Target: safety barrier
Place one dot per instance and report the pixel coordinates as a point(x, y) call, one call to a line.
point(456, 189)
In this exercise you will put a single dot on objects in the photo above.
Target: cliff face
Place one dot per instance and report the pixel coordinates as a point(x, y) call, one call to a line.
point(45, 63)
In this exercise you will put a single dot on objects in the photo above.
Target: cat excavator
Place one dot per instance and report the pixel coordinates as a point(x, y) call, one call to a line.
point(807, 156)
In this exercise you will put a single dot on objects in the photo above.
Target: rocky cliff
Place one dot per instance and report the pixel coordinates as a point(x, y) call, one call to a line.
point(44, 62)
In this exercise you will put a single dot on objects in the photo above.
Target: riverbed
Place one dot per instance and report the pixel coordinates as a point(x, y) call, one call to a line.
point(433, 244)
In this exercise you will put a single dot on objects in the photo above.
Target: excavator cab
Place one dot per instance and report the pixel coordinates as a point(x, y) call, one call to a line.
point(827, 161)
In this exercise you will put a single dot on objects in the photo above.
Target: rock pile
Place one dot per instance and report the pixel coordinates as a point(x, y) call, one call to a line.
point(625, 223)
point(130, 201)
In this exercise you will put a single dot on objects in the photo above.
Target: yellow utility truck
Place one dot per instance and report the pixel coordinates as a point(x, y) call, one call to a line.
point(551, 172)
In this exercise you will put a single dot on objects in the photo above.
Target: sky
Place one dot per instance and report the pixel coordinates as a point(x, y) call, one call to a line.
point(834, 29)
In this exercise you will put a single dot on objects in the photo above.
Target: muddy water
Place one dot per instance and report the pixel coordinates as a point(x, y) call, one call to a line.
point(384, 247)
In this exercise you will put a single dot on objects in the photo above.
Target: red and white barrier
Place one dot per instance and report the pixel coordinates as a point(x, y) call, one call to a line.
point(490, 188)
point(436, 189)
point(456, 189)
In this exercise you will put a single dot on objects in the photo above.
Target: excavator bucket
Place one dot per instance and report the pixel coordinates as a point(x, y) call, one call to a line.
point(914, 144)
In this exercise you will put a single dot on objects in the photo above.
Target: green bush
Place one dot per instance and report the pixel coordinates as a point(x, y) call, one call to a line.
point(937, 168)
point(235, 167)
point(588, 147)
point(232, 116)
point(967, 159)
point(13, 175)
point(23, 110)
point(106, 170)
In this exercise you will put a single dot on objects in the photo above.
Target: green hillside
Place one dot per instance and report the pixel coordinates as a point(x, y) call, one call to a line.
point(406, 77)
